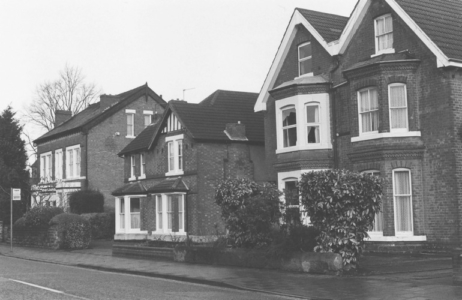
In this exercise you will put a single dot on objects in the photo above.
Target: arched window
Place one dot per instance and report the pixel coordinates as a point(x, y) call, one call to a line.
point(402, 197)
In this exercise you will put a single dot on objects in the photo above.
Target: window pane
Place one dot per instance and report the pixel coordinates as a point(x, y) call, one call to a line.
point(306, 66)
point(130, 124)
point(388, 24)
point(169, 212)
point(364, 101)
point(180, 155)
point(160, 212)
point(402, 183)
point(378, 222)
point(313, 134)
point(373, 99)
point(134, 213)
point(291, 193)
point(147, 120)
point(304, 51)
point(135, 205)
point(312, 114)
point(290, 137)
point(403, 213)
point(397, 96)
point(380, 26)
point(122, 213)
point(171, 157)
point(180, 212)
point(289, 117)
point(398, 118)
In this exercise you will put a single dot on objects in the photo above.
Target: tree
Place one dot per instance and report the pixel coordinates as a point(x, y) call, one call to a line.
point(68, 92)
point(13, 173)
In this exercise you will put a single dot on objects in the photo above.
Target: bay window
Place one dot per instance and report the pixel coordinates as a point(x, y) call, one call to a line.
point(170, 213)
point(368, 106)
point(73, 162)
point(305, 61)
point(384, 34)
point(135, 213)
point(132, 168)
point(312, 123)
point(174, 155)
point(402, 196)
point(289, 126)
point(128, 214)
point(398, 107)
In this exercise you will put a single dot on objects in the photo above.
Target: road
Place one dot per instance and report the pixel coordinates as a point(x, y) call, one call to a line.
point(24, 279)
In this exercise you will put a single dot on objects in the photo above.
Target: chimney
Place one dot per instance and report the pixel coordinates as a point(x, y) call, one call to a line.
point(236, 131)
point(62, 116)
point(107, 100)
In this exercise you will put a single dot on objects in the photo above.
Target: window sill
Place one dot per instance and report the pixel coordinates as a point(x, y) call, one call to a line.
point(374, 136)
point(142, 176)
point(386, 51)
point(132, 179)
point(305, 75)
point(410, 238)
point(173, 173)
point(130, 136)
point(302, 148)
point(74, 178)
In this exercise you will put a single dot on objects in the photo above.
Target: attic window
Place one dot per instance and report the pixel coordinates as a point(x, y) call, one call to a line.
point(384, 34)
point(305, 62)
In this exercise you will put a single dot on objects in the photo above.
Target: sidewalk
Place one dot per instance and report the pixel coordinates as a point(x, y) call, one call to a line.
point(390, 277)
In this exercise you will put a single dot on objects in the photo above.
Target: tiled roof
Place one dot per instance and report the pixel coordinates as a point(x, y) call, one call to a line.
point(92, 115)
point(441, 20)
point(207, 120)
point(132, 188)
point(329, 26)
point(173, 184)
point(169, 185)
point(304, 80)
point(403, 56)
point(143, 140)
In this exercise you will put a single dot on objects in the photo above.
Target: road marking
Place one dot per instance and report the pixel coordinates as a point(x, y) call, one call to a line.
point(47, 289)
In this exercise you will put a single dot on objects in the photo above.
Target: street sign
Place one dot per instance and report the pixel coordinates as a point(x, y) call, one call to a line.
point(16, 194)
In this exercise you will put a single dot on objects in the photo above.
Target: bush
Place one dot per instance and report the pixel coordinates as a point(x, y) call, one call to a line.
point(86, 201)
point(102, 224)
point(74, 231)
point(342, 206)
point(40, 216)
point(251, 211)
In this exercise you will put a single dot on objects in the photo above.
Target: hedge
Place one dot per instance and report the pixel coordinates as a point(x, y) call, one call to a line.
point(102, 224)
point(40, 216)
point(74, 231)
point(86, 201)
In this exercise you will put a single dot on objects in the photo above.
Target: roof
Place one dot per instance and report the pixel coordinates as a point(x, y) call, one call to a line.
point(132, 188)
point(329, 26)
point(304, 80)
point(93, 115)
point(173, 184)
point(169, 185)
point(441, 20)
point(143, 140)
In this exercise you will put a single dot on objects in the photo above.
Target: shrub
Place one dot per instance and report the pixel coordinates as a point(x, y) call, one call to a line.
point(86, 201)
point(102, 224)
point(341, 205)
point(250, 211)
point(74, 231)
point(40, 216)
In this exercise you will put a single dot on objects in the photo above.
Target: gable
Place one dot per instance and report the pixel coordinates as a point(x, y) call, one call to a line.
point(171, 124)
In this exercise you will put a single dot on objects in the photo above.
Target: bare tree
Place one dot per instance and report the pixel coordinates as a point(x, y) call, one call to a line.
point(68, 92)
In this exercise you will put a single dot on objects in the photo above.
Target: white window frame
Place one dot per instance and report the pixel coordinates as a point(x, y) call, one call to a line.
point(142, 166)
point(313, 124)
point(373, 233)
point(404, 129)
point(403, 233)
point(164, 199)
point(304, 59)
point(76, 162)
point(131, 113)
point(300, 102)
point(173, 143)
point(147, 113)
point(46, 172)
point(132, 168)
point(126, 215)
point(360, 121)
point(376, 36)
point(59, 164)
point(288, 127)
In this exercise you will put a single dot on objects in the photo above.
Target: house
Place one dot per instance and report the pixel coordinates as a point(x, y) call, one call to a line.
point(378, 92)
point(81, 150)
point(173, 167)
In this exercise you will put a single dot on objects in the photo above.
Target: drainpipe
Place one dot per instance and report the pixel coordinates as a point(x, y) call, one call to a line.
point(334, 113)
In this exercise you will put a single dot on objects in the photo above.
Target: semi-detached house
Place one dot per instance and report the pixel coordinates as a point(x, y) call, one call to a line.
point(378, 92)
point(81, 151)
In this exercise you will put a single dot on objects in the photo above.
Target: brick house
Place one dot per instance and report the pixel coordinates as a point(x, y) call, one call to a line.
point(378, 92)
point(81, 151)
point(173, 167)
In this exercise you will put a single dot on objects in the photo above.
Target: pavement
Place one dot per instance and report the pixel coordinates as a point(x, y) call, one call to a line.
point(382, 276)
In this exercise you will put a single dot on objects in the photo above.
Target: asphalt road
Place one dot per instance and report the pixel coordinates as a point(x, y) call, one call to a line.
point(24, 279)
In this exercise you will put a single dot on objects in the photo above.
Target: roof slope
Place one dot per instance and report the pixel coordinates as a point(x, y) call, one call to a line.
point(207, 120)
point(143, 140)
point(329, 26)
point(441, 20)
point(92, 115)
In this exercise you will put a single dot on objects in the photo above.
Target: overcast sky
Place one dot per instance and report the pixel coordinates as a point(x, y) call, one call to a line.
point(173, 45)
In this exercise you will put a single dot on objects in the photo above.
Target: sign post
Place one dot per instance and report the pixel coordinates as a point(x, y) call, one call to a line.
point(15, 196)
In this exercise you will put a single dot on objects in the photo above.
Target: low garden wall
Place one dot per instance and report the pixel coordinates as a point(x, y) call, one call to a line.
point(307, 262)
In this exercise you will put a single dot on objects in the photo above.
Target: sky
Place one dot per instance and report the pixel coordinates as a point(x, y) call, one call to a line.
point(194, 45)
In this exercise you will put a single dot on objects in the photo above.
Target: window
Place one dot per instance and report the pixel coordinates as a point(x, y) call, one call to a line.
point(305, 62)
point(402, 195)
point(368, 110)
point(142, 166)
point(130, 122)
point(122, 213)
point(398, 107)
point(175, 154)
point(312, 123)
point(378, 220)
point(132, 167)
point(135, 213)
point(73, 162)
point(147, 117)
point(384, 34)
point(289, 126)
point(59, 164)
point(170, 213)
point(45, 166)
point(128, 219)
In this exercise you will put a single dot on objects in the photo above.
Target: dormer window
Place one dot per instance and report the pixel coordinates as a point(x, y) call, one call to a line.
point(384, 34)
point(305, 62)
